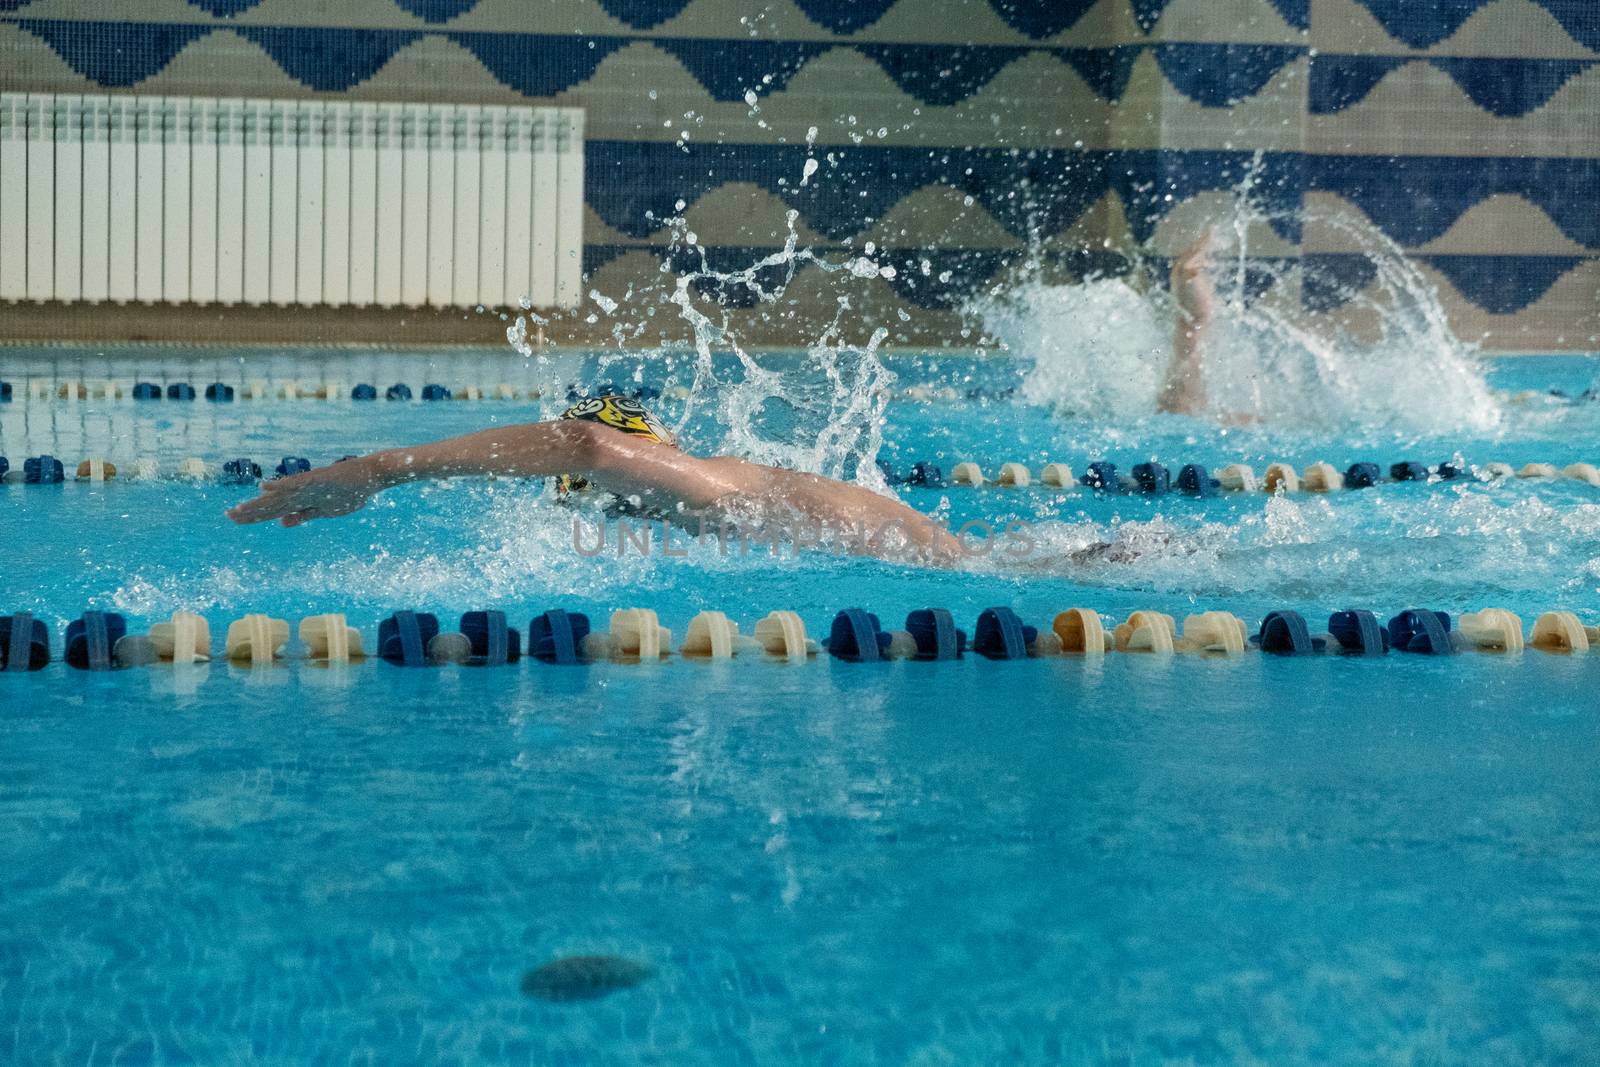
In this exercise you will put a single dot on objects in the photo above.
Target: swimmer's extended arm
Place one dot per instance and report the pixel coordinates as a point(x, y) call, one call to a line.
point(1183, 391)
point(531, 450)
point(618, 462)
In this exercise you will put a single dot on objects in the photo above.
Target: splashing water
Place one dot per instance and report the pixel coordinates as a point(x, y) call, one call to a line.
point(1100, 348)
point(821, 412)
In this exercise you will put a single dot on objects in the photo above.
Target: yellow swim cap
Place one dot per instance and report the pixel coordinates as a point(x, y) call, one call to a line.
point(620, 413)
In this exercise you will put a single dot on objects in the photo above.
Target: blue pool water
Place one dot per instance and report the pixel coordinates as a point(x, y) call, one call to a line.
point(1132, 861)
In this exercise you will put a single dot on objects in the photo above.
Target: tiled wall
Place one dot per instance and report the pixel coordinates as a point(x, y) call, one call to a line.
point(958, 134)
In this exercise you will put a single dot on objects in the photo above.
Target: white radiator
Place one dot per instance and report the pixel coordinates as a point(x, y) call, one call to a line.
point(164, 199)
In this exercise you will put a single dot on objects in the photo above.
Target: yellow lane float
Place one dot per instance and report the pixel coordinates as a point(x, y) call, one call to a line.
point(1080, 630)
point(1321, 478)
point(255, 638)
point(1280, 476)
point(1492, 630)
point(967, 473)
point(186, 638)
point(1214, 631)
point(1237, 478)
point(1559, 631)
point(96, 469)
point(1057, 476)
point(331, 638)
point(711, 635)
point(782, 633)
point(1146, 631)
point(1014, 474)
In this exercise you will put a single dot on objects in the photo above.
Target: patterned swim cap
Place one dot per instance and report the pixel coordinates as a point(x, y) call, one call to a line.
point(620, 413)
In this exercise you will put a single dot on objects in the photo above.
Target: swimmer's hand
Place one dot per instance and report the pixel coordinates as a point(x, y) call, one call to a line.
point(1192, 285)
point(320, 494)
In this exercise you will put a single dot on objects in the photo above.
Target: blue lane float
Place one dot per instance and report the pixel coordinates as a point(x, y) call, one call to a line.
point(1408, 471)
point(922, 475)
point(999, 634)
point(5, 392)
point(219, 393)
point(935, 632)
point(364, 392)
point(24, 643)
point(1359, 633)
point(146, 391)
point(5, 466)
point(1449, 472)
point(1152, 479)
point(180, 391)
point(1284, 633)
point(403, 638)
point(1362, 476)
point(241, 472)
point(42, 470)
point(557, 637)
point(292, 465)
point(435, 392)
point(1421, 630)
point(92, 640)
point(856, 636)
point(493, 643)
point(1195, 480)
point(398, 391)
point(1101, 476)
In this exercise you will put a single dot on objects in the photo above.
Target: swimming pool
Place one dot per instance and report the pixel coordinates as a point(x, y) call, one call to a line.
point(1133, 859)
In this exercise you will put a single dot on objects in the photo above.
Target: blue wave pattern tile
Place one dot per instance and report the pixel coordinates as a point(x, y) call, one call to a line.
point(1502, 285)
point(1029, 191)
point(1498, 284)
point(1507, 88)
point(1415, 199)
point(535, 64)
point(1424, 23)
point(333, 59)
point(115, 54)
point(850, 16)
point(934, 279)
point(328, 60)
point(1038, 19)
point(634, 185)
point(1296, 13)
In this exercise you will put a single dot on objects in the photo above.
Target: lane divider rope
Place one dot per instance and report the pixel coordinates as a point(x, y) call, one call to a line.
point(1144, 479)
point(99, 641)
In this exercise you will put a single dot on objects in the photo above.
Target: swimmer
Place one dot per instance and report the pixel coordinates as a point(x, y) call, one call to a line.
point(613, 443)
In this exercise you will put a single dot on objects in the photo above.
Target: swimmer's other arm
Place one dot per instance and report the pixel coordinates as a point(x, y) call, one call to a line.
point(1183, 390)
